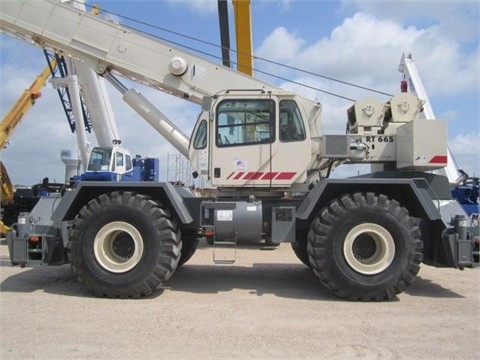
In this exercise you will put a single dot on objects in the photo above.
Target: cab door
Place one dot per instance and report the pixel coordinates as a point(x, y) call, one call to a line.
point(259, 143)
point(243, 142)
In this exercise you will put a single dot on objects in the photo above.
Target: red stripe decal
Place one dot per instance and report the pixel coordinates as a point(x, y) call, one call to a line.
point(269, 176)
point(285, 176)
point(253, 175)
point(439, 159)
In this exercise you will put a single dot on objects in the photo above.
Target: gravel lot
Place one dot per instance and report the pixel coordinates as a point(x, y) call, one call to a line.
point(266, 305)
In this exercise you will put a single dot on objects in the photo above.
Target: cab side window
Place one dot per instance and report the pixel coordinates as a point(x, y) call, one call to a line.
point(129, 162)
point(291, 122)
point(118, 159)
point(200, 141)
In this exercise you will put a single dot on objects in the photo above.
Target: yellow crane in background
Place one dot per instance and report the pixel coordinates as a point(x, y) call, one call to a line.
point(243, 35)
point(22, 105)
point(9, 123)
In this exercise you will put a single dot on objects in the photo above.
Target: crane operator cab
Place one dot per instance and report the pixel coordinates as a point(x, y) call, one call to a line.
point(108, 164)
point(253, 141)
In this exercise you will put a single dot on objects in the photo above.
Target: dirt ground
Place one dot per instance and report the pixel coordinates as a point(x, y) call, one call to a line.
point(266, 305)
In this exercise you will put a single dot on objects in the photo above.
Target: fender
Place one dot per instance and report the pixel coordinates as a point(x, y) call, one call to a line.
point(72, 201)
point(419, 193)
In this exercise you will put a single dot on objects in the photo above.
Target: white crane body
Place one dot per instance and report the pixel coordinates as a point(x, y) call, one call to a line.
point(364, 237)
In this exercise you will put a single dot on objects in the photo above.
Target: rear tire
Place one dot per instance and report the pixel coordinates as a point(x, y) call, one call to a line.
point(300, 247)
point(365, 247)
point(189, 246)
point(124, 245)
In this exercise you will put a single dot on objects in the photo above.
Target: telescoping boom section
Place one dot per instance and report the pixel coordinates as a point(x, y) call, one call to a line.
point(259, 146)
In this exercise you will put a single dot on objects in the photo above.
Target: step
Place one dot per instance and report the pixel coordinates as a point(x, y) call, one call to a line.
point(224, 252)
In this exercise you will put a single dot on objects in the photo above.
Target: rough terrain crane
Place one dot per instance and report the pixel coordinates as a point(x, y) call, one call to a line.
point(364, 237)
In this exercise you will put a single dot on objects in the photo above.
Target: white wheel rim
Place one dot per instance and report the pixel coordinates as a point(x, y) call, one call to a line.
point(118, 247)
point(369, 249)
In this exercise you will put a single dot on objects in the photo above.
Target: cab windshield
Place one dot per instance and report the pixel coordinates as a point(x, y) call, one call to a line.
point(245, 122)
point(99, 159)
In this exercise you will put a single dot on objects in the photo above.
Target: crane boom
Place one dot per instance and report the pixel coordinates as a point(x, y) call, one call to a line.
point(133, 54)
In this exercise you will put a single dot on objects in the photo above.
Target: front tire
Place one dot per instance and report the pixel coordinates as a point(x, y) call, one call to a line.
point(365, 247)
point(124, 245)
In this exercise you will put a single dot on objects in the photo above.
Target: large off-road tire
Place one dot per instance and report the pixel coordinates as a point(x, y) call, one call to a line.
point(365, 247)
point(300, 246)
point(190, 241)
point(124, 245)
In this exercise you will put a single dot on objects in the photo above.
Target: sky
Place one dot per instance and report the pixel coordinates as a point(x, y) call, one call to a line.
point(359, 42)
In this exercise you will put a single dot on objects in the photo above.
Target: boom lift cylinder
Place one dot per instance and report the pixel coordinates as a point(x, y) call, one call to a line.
point(152, 115)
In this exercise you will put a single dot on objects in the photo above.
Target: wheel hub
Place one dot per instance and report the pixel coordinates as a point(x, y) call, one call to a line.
point(364, 247)
point(369, 249)
point(123, 245)
point(118, 247)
